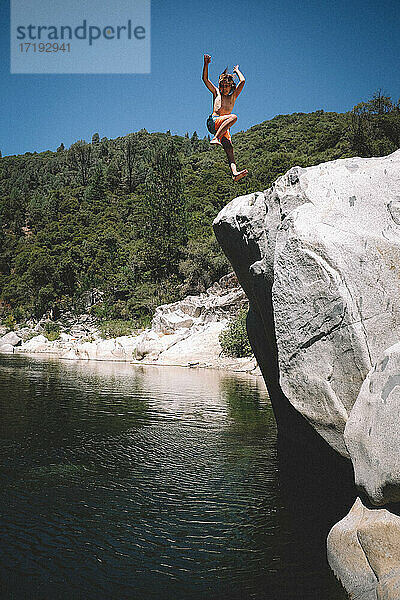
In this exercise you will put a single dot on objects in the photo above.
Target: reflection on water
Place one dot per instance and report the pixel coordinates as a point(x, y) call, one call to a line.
point(121, 481)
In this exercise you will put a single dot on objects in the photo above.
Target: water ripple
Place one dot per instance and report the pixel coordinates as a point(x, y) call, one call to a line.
point(121, 482)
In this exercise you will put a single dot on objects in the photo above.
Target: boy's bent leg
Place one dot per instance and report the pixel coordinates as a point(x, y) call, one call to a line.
point(236, 175)
point(223, 124)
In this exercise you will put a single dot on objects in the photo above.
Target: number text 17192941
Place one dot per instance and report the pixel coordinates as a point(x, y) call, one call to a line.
point(44, 47)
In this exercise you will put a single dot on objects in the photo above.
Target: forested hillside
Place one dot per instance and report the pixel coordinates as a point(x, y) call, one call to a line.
point(127, 222)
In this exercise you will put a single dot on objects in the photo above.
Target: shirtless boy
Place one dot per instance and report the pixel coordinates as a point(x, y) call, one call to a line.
point(221, 119)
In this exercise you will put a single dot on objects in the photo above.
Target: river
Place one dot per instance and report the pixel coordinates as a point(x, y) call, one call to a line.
point(121, 481)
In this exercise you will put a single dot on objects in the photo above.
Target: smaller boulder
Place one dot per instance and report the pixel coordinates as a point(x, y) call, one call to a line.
point(86, 351)
point(6, 349)
point(34, 343)
point(11, 338)
point(148, 346)
point(170, 322)
point(372, 432)
point(364, 553)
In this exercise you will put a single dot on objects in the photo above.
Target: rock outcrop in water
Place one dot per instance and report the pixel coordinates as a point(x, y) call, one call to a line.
point(364, 553)
point(318, 255)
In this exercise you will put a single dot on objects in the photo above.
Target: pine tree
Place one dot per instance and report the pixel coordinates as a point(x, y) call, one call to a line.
point(79, 156)
point(130, 152)
point(164, 216)
point(95, 190)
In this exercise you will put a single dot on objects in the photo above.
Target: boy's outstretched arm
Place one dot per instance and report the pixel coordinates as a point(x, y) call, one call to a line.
point(211, 86)
point(240, 85)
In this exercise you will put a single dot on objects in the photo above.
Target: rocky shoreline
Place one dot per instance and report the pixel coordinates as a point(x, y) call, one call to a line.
point(184, 333)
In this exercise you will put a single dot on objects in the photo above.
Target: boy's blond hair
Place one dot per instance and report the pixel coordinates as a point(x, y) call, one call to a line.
point(225, 76)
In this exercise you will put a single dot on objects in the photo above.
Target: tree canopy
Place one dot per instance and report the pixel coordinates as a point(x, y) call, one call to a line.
point(131, 217)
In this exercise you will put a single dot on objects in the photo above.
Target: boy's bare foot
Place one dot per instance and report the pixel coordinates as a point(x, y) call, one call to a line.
point(216, 141)
point(239, 175)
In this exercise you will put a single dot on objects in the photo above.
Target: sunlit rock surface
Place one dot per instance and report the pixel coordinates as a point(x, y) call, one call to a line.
point(364, 553)
point(219, 303)
point(372, 432)
point(184, 333)
point(9, 340)
point(318, 255)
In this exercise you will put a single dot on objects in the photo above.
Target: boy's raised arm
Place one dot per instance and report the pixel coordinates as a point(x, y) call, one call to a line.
point(240, 85)
point(211, 86)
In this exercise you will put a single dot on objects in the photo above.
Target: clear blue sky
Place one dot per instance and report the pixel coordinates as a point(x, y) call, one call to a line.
point(296, 56)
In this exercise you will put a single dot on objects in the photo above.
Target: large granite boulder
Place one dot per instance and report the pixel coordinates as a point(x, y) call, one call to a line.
point(364, 553)
point(372, 432)
point(318, 256)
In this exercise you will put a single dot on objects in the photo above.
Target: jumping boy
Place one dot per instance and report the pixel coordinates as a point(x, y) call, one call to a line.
point(221, 119)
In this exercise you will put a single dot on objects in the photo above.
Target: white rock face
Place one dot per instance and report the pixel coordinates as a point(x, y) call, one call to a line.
point(220, 302)
point(319, 253)
point(201, 346)
point(10, 338)
point(184, 333)
point(364, 553)
point(6, 349)
point(171, 322)
point(337, 284)
point(35, 344)
point(372, 432)
point(66, 337)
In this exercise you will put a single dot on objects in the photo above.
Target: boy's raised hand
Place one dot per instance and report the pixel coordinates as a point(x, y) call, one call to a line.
point(236, 68)
point(207, 82)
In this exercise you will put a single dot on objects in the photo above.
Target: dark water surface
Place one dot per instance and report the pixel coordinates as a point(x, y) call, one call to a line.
point(119, 481)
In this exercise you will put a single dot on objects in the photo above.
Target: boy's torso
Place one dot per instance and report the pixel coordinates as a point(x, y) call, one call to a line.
point(223, 105)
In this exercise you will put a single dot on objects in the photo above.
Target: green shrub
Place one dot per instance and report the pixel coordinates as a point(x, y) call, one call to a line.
point(10, 322)
point(233, 338)
point(116, 328)
point(89, 338)
point(203, 263)
point(98, 310)
point(52, 331)
point(144, 321)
